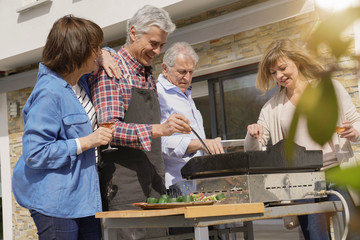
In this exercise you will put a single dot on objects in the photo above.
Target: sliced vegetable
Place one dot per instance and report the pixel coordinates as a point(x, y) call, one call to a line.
point(163, 200)
point(187, 198)
point(152, 200)
point(165, 196)
point(220, 196)
point(172, 200)
point(202, 198)
point(179, 199)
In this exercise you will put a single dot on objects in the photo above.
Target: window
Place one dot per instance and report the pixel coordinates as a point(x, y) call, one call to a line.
point(229, 101)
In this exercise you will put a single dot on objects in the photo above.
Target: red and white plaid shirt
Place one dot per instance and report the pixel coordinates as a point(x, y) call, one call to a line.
point(111, 98)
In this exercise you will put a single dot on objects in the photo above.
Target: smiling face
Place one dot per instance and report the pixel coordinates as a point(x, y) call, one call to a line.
point(145, 47)
point(285, 72)
point(181, 73)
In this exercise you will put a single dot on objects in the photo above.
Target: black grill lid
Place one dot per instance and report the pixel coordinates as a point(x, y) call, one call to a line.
point(271, 161)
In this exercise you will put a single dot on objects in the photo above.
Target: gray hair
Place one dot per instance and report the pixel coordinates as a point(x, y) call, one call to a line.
point(147, 17)
point(176, 49)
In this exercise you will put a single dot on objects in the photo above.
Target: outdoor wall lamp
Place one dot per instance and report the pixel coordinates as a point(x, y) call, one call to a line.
point(14, 110)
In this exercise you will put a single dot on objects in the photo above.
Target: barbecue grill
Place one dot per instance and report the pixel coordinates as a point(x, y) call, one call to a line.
point(254, 176)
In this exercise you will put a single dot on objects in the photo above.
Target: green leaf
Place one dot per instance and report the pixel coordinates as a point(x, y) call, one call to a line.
point(329, 31)
point(347, 176)
point(309, 99)
point(306, 104)
point(322, 118)
point(319, 105)
point(289, 143)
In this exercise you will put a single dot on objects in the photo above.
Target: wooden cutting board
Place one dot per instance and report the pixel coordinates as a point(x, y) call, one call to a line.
point(189, 211)
point(140, 213)
point(224, 210)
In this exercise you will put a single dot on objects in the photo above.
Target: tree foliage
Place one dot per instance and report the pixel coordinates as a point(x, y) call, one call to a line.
point(318, 103)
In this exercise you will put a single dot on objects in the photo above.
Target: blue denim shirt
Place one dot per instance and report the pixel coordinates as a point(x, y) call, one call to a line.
point(50, 177)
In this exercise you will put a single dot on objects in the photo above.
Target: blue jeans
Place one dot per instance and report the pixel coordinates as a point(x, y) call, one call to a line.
point(315, 226)
point(66, 228)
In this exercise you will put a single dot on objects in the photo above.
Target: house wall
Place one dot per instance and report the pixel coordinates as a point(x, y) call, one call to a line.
point(26, 31)
point(34, 24)
point(5, 169)
point(23, 226)
point(242, 47)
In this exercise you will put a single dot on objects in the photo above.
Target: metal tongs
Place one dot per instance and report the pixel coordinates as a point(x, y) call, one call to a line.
point(202, 142)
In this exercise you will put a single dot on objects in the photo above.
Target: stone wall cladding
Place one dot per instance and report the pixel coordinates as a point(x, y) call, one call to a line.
point(217, 12)
point(20, 96)
point(23, 225)
point(248, 43)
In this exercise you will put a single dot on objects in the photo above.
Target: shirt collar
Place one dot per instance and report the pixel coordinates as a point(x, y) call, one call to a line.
point(133, 63)
point(44, 70)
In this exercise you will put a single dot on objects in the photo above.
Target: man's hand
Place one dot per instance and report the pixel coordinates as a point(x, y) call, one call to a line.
point(214, 145)
point(176, 123)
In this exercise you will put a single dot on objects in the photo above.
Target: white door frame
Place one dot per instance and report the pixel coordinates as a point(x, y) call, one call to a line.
point(5, 170)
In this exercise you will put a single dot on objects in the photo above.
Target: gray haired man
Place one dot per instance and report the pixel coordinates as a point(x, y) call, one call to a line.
point(136, 170)
point(174, 92)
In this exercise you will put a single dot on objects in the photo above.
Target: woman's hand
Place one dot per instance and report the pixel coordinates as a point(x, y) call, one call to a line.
point(350, 132)
point(109, 64)
point(101, 136)
point(256, 131)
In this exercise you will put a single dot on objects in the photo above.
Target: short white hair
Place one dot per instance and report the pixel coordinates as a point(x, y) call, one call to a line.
point(147, 17)
point(176, 49)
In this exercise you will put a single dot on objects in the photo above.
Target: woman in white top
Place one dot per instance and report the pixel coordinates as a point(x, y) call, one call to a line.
point(292, 69)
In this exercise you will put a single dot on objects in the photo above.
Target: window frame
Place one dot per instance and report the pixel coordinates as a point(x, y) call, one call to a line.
point(218, 78)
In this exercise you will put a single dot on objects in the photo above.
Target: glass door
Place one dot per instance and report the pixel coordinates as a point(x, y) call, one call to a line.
point(229, 101)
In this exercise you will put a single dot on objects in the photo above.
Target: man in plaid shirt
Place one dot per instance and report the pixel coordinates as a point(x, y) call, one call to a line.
point(136, 170)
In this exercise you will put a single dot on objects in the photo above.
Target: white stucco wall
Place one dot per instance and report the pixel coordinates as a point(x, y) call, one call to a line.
point(5, 169)
point(24, 34)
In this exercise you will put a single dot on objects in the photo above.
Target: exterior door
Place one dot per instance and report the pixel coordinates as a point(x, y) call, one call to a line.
point(229, 101)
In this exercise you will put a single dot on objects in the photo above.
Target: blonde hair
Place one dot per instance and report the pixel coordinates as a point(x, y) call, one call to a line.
point(308, 66)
